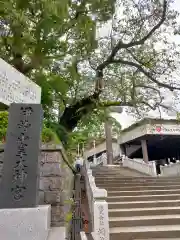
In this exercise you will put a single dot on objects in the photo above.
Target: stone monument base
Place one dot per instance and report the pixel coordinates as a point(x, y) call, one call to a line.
point(25, 223)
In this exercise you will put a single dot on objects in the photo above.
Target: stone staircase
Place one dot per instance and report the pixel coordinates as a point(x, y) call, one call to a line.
point(140, 207)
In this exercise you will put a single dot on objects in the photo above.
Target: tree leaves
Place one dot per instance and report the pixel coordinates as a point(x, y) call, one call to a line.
point(56, 44)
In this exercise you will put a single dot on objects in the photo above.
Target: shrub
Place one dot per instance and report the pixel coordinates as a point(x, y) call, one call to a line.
point(2, 134)
point(3, 125)
point(3, 119)
point(47, 134)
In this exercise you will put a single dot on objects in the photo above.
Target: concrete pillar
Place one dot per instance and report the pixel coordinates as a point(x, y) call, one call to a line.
point(94, 160)
point(144, 151)
point(122, 150)
point(109, 149)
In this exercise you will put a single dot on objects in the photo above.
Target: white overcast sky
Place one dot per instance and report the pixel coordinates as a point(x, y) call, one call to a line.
point(124, 118)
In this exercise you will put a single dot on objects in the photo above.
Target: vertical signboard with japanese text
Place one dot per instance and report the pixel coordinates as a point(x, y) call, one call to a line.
point(19, 184)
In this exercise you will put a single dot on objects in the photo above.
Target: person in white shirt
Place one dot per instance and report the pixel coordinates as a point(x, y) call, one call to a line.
point(78, 163)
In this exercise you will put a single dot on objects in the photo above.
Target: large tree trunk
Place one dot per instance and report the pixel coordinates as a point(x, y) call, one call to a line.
point(74, 113)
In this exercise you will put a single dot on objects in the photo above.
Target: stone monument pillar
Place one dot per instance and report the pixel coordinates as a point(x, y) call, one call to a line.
point(19, 184)
point(20, 216)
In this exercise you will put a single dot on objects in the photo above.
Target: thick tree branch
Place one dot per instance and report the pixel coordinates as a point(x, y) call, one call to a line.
point(19, 64)
point(116, 103)
point(146, 73)
point(145, 63)
point(150, 33)
point(128, 104)
point(74, 113)
point(149, 87)
point(121, 45)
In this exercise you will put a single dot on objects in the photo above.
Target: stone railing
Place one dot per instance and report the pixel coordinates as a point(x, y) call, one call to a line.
point(140, 166)
point(98, 207)
point(101, 160)
point(83, 236)
point(172, 169)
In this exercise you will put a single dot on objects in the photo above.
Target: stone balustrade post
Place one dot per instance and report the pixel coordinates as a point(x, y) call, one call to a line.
point(104, 159)
point(101, 219)
point(98, 207)
point(83, 236)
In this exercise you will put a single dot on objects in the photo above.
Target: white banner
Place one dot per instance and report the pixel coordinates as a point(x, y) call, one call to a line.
point(168, 129)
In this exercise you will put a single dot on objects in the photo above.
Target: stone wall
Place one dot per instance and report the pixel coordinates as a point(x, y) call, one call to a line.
point(56, 182)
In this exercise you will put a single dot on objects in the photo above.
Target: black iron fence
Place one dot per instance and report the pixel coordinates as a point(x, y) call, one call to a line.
point(81, 219)
point(77, 220)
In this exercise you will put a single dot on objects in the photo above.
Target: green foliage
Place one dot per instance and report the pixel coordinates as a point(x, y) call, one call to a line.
point(60, 131)
point(178, 116)
point(2, 134)
point(56, 44)
point(70, 205)
point(45, 37)
point(68, 217)
point(4, 119)
point(3, 124)
point(47, 135)
point(90, 128)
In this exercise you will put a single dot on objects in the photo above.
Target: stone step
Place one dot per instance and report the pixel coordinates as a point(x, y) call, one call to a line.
point(113, 166)
point(143, 204)
point(132, 180)
point(140, 206)
point(109, 175)
point(101, 167)
point(136, 184)
point(120, 172)
point(112, 170)
point(141, 188)
point(123, 176)
point(120, 175)
point(158, 221)
point(143, 212)
point(129, 173)
point(145, 233)
point(116, 168)
point(144, 197)
point(143, 192)
point(147, 217)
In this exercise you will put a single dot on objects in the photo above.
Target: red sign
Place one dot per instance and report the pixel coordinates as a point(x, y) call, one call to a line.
point(158, 129)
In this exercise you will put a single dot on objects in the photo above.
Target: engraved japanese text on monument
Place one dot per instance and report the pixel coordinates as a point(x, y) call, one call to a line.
point(15, 87)
point(101, 230)
point(20, 168)
point(20, 172)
